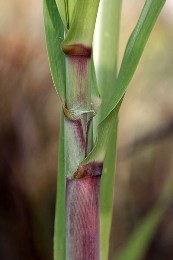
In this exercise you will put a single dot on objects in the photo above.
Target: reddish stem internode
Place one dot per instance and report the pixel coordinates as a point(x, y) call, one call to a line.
point(82, 218)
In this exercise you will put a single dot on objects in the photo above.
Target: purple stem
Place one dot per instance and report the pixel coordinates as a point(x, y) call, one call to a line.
point(82, 218)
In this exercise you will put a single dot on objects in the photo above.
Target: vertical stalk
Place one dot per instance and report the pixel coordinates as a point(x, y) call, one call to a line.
point(82, 218)
point(82, 182)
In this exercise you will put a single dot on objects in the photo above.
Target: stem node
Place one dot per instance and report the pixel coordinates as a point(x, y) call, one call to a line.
point(76, 50)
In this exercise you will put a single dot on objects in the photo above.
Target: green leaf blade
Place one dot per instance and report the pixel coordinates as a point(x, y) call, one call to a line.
point(54, 31)
point(107, 47)
point(107, 191)
point(60, 212)
point(134, 50)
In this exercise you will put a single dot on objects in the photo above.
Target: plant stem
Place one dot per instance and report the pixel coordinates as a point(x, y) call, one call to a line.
point(82, 181)
point(82, 216)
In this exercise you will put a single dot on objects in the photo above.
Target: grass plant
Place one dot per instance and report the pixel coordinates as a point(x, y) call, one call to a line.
point(91, 98)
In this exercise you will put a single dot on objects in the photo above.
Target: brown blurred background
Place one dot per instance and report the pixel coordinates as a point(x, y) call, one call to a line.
point(29, 127)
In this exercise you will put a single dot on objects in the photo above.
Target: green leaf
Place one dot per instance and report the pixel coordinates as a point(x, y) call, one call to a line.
point(107, 52)
point(107, 47)
point(107, 191)
point(83, 22)
point(54, 35)
point(60, 217)
point(133, 52)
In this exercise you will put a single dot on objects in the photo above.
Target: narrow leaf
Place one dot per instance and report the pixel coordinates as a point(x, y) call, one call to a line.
point(107, 47)
point(134, 50)
point(54, 35)
point(59, 234)
point(107, 54)
point(107, 191)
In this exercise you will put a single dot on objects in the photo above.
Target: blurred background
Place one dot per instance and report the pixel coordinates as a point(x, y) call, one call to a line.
point(29, 128)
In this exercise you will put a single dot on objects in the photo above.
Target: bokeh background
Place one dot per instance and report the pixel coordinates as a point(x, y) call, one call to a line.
point(29, 128)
